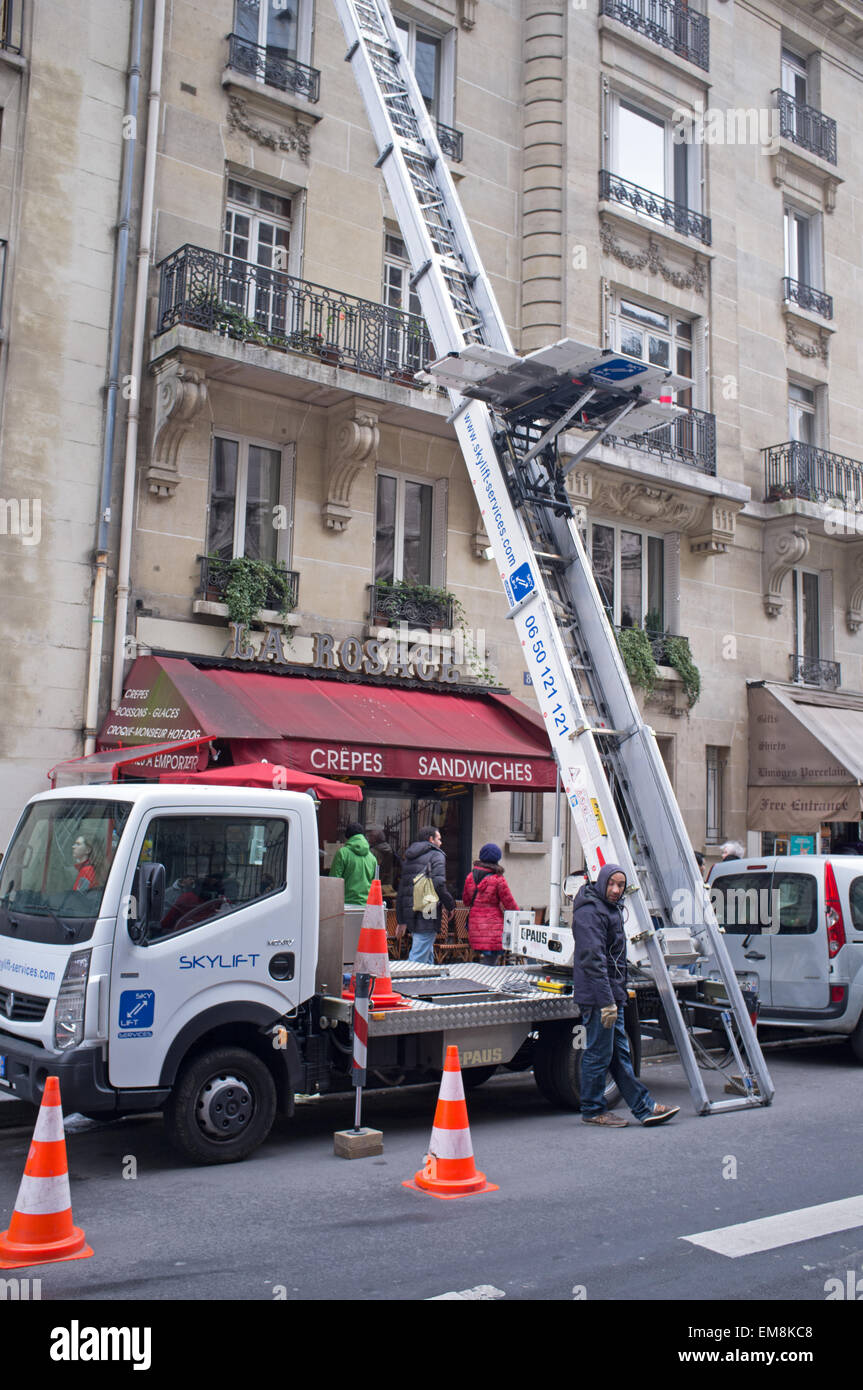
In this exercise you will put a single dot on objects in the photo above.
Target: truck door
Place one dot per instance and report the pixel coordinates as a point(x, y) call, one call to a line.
point(799, 956)
point(742, 904)
point(229, 933)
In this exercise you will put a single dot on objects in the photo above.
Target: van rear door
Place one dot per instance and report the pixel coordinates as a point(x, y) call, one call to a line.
point(800, 962)
point(742, 903)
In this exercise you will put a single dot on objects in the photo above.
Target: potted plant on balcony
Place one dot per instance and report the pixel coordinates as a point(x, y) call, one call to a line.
point(415, 603)
point(634, 646)
point(249, 586)
point(678, 655)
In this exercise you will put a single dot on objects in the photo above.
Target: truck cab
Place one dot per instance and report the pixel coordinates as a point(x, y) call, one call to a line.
point(151, 937)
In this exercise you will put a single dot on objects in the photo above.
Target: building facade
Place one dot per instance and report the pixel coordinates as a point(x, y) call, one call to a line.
point(676, 183)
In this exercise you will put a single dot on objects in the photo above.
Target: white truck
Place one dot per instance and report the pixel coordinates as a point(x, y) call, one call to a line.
point(174, 948)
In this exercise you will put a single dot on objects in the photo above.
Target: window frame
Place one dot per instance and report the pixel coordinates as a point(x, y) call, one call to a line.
point(716, 763)
point(437, 539)
point(798, 621)
point(305, 18)
point(527, 825)
point(694, 345)
point(646, 536)
point(286, 452)
point(811, 220)
point(446, 36)
point(673, 152)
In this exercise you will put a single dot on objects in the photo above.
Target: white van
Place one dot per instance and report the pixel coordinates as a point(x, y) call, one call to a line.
point(798, 921)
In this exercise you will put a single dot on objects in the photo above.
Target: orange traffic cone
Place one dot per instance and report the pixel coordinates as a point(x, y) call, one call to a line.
point(373, 955)
point(450, 1170)
point(41, 1228)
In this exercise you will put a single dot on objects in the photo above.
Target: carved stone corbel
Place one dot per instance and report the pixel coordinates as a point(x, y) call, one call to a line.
point(353, 439)
point(579, 485)
point(467, 13)
point(854, 614)
point(717, 527)
point(181, 395)
point(783, 550)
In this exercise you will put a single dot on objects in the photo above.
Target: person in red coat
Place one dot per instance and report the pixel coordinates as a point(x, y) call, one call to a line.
point(486, 893)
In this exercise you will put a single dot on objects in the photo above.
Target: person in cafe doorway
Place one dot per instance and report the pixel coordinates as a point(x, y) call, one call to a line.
point(599, 988)
point(423, 857)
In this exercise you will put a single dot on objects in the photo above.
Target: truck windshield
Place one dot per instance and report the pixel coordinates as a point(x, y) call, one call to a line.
point(54, 872)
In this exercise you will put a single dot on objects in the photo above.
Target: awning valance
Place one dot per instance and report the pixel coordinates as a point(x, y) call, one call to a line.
point(805, 759)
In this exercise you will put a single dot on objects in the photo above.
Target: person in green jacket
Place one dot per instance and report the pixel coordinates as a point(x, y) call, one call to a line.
point(356, 864)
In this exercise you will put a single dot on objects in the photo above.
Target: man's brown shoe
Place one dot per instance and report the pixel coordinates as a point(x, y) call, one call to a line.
point(605, 1117)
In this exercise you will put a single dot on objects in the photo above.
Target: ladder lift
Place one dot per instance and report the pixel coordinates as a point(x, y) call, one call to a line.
point(509, 413)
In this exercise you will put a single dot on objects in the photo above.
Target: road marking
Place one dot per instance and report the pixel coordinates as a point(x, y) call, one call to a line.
point(788, 1227)
point(481, 1292)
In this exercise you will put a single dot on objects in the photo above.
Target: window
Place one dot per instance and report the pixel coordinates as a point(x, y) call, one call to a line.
point(249, 500)
point(258, 231)
point(645, 153)
point(742, 903)
point(432, 57)
point(282, 27)
point(801, 413)
point(655, 335)
point(525, 815)
point(807, 615)
point(403, 530)
point(795, 76)
point(803, 247)
point(628, 567)
point(214, 865)
point(402, 345)
point(716, 761)
point(798, 903)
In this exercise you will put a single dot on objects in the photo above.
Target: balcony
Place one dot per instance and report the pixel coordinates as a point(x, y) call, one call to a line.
point(673, 25)
point(690, 440)
point(418, 605)
point(806, 670)
point(451, 142)
point(806, 127)
point(10, 25)
point(807, 297)
point(614, 189)
point(800, 470)
point(273, 68)
point(278, 597)
point(251, 304)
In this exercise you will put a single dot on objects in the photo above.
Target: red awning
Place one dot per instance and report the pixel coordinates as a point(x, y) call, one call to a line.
point(103, 766)
point(340, 728)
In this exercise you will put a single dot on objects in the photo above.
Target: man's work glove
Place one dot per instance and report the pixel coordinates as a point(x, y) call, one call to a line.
point(608, 1015)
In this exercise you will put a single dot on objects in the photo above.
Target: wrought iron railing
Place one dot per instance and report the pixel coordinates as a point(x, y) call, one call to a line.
point(416, 604)
point(251, 304)
point(806, 126)
point(216, 575)
point(669, 23)
point(807, 670)
point(807, 297)
point(658, 643)
point(614, 189)
point(273, 68)
point(10, 25)
point(451, 142)
point(690, 439)
point(800, 470)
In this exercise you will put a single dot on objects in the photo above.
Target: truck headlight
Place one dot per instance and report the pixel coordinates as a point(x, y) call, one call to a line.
point(69, 1013)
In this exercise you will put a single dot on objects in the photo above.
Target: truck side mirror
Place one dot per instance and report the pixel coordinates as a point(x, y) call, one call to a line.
point(150, 898)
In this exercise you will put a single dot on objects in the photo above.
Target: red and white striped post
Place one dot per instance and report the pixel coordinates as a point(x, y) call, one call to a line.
point(363, 985)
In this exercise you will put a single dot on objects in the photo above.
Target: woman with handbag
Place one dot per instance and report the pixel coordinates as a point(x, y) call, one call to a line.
point(487, 896)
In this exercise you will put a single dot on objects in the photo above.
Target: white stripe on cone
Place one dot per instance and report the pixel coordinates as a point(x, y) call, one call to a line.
point(376, 965)
point(450, 1143)
point(451, 1086)
point(41, 1196)
point(49, 1124)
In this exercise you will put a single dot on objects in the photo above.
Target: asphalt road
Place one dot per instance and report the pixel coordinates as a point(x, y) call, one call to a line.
point(580, 1212)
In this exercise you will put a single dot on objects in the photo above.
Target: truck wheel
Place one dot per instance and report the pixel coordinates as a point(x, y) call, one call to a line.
point(557, 1071)
point(222, 1106)
point(856, 1041)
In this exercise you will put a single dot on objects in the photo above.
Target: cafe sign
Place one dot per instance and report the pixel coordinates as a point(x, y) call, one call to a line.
point(396, 658)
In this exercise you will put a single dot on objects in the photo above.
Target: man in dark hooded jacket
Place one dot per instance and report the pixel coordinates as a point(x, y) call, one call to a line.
point(599, 988)
point(424, 856)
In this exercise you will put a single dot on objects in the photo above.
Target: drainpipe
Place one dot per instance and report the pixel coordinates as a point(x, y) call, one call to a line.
point(121, 258)
point(124, 562)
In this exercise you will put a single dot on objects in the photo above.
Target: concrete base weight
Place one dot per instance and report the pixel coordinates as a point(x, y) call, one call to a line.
point(357, 1143)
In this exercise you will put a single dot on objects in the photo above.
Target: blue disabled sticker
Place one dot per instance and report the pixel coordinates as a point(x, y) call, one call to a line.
point(521, 582)
point(618, 369)
point(137, 1007)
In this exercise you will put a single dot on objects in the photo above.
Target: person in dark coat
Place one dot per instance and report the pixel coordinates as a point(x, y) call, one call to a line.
point(424, 856)
point(487, 894)
point(599, 988)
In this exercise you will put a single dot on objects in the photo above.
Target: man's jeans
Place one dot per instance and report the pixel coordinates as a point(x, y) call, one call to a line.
point(607, 1050)
point(422, 945)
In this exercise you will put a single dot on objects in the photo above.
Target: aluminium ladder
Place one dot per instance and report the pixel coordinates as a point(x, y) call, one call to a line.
point(508, 413)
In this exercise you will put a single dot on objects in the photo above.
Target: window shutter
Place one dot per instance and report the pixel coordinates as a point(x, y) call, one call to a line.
point(285, 538)
point(701, 364)
point(825, 613)
point(671, 580)
point(439, 533)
